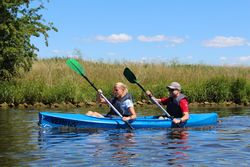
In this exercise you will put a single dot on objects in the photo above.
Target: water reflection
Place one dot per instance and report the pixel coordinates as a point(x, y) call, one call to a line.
point(178, 134)
point(96, 146)
point(121, 147)
point(179, 144)
point(23, 143)
point(16, 129)
point(120, 144)
point(51, 137)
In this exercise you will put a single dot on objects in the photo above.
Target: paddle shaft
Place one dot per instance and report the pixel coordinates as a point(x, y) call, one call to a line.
point(76, 66)
point(116, 111)
point(156, 102)
point(102, 95)
point(132, 79)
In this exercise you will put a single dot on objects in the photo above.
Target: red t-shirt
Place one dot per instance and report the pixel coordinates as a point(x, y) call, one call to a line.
point(183, 103)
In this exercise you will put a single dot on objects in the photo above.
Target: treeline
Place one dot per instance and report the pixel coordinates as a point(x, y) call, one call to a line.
point(52, 81)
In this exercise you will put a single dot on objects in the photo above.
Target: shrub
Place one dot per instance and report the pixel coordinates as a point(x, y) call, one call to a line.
point(217, 89)
point(239, 91)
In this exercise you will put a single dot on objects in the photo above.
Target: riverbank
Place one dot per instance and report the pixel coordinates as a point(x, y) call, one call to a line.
point(68, 105)
point(51, 83)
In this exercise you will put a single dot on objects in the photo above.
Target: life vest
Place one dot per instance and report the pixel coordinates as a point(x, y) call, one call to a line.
point(173, 106)
point(120, 106)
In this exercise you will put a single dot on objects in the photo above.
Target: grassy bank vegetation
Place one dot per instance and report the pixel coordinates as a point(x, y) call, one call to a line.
point(51, 81)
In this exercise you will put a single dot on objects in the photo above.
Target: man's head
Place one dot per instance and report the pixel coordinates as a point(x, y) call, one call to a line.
point(175, 86)
point(174, 89)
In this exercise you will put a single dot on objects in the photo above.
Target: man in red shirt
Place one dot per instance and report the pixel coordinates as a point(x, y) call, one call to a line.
point(177, 104)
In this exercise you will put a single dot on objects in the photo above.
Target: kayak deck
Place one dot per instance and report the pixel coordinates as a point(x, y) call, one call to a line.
point(52, 120)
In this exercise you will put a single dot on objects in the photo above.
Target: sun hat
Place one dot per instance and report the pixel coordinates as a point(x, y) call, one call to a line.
point(174, 85)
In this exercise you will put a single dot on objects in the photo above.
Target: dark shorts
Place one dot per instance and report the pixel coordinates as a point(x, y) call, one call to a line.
point(114, 116)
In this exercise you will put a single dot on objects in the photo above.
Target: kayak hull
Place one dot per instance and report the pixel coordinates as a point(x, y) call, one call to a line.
point(53, 120)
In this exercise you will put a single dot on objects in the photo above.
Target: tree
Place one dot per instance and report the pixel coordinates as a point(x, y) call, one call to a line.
point(18, 23)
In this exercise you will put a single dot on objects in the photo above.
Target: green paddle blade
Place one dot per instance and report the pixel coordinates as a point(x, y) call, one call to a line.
point(129, 75)
point(75, 66)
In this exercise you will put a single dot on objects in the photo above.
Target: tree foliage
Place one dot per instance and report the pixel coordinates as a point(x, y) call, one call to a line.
point(18, 23)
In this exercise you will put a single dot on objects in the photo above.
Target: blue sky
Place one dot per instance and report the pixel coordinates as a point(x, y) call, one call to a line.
point(214, 32)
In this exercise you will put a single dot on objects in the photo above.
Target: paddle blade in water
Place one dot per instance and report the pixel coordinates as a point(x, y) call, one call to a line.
point(75, 66)
point(129, 75)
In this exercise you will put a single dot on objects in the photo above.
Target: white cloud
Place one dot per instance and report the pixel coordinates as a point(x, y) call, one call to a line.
point(175, 40)
point(160, 38)
point(56, 51)
point(73, 56)
point(64, 53)
point(115, 38)
point(244, 58)
point(223, 58)
point(156, 38)
point(111, 54)
point(222, 41)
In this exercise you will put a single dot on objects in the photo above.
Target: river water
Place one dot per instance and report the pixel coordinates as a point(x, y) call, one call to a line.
point(24, 143)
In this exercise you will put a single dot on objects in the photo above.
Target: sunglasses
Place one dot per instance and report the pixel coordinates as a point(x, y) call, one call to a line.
point(171, 90)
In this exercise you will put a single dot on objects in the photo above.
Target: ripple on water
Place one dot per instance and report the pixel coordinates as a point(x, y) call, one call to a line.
point(24, 144)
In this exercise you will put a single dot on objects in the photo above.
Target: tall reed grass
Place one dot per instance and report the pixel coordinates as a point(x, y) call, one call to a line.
point(52, 81)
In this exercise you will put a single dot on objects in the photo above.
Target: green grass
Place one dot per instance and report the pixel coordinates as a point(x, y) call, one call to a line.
point(52, 81)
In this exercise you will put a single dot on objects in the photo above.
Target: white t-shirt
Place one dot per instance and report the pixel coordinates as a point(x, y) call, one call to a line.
point(127, 104)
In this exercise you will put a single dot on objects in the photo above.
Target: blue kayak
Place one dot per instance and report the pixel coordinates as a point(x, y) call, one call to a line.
point(53, 120)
